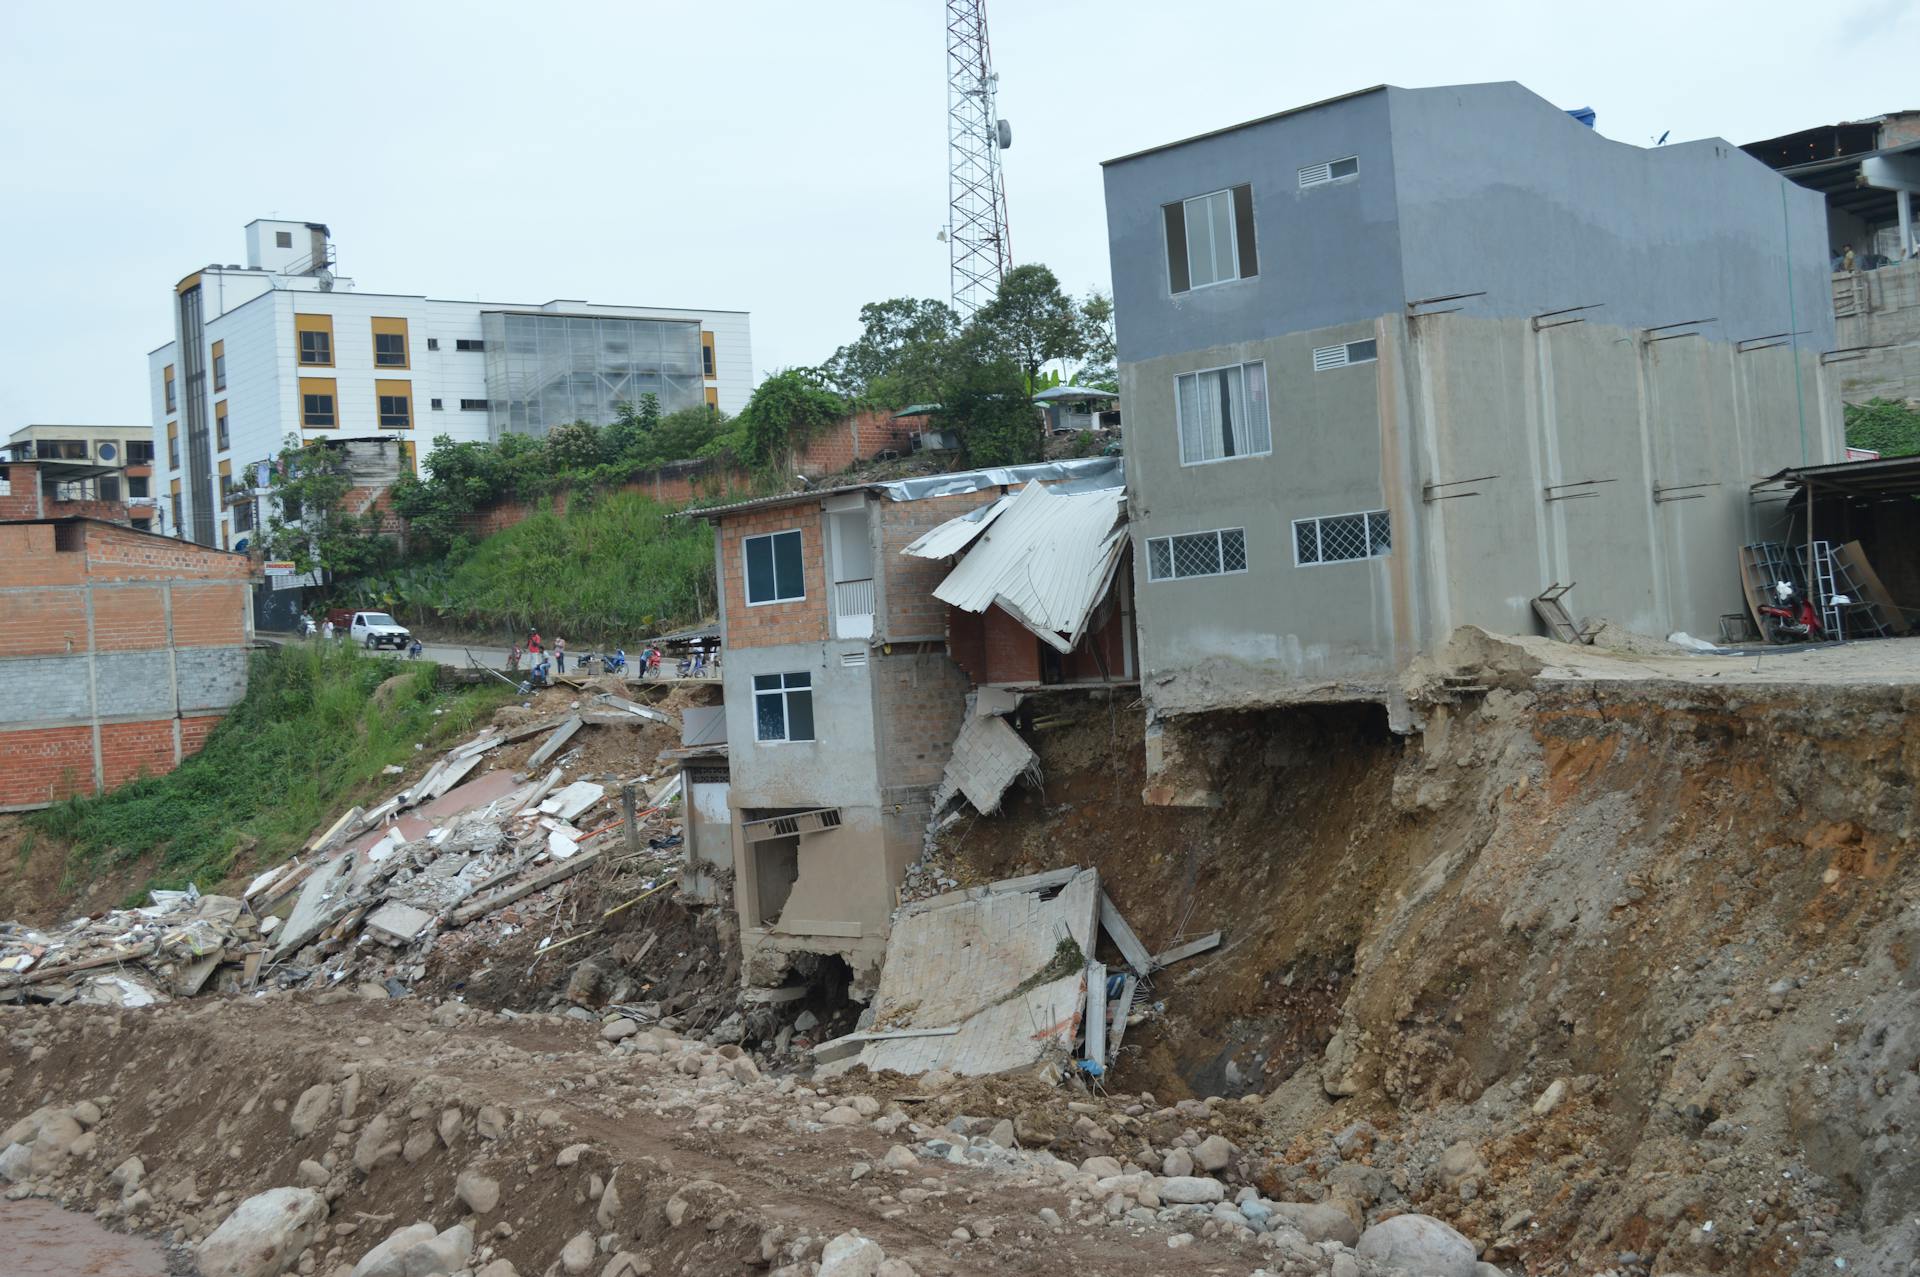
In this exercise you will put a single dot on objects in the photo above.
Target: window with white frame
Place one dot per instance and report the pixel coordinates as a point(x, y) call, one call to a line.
point(774, 572)
point(1332, 171)
point(1341, 538)
point(1210, 239)
point(1215, 553)
point(1352, 352)
point(1223, 413)
point(783, 707)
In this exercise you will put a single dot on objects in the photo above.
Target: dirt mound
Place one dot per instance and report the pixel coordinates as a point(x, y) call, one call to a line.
point(1691, 910)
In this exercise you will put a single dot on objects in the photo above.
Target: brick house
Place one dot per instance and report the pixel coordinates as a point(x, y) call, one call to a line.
point(845, 689)
point(122, 649)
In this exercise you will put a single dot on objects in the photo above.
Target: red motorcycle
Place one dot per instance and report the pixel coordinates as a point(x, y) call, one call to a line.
point(1792, 620)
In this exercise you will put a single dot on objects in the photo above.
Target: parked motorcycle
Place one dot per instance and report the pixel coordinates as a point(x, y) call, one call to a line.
point(1792, 619)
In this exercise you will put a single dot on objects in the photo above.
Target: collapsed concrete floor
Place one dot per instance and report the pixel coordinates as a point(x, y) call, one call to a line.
point(1606, 975)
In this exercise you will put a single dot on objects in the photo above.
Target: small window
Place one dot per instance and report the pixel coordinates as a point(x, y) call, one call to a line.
point(219, 365)
point(1353, 352)
point(1197, 554)
point(390, 350)
point(434, 404)
point(222, 439)
point(316, 347)
point(469, 343)
point(1223, 414)
point(167, 377)
point(139, 486)
point(283, 239)
point(396, 412)
point(473, 405)
point(783, 707)
point(139, 452)
point(1210, 239)
point(173, 446)
point(433, 343)
point(173, 499)
point(1341, 538)
point(1333, 171)
point(774, 573)
point(317, 411)
point(243, 515)
point(706, 355)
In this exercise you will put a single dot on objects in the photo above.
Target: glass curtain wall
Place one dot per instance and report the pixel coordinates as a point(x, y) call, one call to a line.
point(546, 370)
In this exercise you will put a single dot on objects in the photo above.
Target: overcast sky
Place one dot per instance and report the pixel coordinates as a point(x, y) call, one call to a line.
point(787, 159)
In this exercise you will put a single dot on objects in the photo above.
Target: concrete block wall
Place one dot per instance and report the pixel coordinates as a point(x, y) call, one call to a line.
point(771, 624)
point(122, 651)
point(910, 613)
point(1887, 323)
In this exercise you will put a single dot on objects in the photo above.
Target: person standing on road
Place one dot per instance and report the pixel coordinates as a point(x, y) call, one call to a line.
point(326, 631)
point(560, 655)
point(533, 642)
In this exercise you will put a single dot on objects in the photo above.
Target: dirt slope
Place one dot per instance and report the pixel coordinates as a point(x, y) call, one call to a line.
point(1694, 907)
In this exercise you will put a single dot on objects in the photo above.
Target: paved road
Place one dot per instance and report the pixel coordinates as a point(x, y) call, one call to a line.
point(463, 654)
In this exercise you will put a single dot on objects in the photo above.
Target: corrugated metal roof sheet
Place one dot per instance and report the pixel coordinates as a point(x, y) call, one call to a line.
point(957, 534)
point(1047, 558)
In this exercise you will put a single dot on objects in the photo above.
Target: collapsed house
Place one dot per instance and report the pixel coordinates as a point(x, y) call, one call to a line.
point(857, 622)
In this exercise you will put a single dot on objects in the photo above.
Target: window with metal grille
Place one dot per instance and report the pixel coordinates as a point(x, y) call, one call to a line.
point(1223, 414)
point(783, 707)
point(1341, 538)
point(469, 343)
point(1353, 352)
point(473, 405)
point(774, 571)
point(1214, 553)
point(1210, 239)
point(390, 350)
point(396, 411)
point(1332, 171)
point(316, 347)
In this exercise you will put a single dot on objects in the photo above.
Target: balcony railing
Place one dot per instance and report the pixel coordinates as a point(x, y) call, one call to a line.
point(853, 608)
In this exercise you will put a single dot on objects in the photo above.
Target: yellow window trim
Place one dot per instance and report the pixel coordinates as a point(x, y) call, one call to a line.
point(319, 386)
point(226, 469)
point(387, 327)
point(713, 397)
point(304, 322)
point(174, 488)
point(385, 389)
point(709, 355)
point(188, 284)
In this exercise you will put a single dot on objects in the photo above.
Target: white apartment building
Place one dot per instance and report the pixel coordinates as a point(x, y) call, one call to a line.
point(283, 351)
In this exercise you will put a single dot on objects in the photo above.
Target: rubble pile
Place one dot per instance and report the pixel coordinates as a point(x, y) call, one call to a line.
point(179, 945)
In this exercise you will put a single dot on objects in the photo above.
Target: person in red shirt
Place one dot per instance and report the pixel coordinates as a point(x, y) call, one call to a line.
point(533, 642)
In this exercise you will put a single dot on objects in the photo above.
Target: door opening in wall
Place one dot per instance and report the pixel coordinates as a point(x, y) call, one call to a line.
point(776, 866)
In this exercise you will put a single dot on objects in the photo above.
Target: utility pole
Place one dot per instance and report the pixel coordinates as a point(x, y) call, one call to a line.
point(979, 250)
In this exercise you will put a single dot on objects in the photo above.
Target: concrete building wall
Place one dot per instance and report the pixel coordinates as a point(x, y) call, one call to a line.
point(1879, 327)
point(121, 651)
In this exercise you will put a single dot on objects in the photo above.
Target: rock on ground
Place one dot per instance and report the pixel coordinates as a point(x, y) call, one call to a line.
point(481, 1193)
point(576, 1256)
point(1316, 1221)
point(264, 1234)
point(850, 1255)
point(1419, 1244)
point(1191, 1190)
point(418, 1251)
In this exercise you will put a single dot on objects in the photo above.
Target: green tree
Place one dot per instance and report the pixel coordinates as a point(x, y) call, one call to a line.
point(983, 399)
point(899, 356)
point(631, 432)
point(1887, 426)
point(308, 520)
point(786, 410)
point(1030, 321)
point(1099, 353)
point(573, 447)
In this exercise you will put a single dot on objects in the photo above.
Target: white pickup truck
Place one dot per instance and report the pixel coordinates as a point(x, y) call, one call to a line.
point(377, 629)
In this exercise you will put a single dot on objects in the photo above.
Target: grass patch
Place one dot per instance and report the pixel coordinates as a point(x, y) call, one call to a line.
point(310, 735)
point(613, 568)
point(1067, 959)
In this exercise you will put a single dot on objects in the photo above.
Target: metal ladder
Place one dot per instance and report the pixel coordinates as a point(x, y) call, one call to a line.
point(1863, 616)
point(1816, 569)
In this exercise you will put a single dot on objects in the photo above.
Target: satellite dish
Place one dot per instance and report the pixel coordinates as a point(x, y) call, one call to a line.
point(1004, 132)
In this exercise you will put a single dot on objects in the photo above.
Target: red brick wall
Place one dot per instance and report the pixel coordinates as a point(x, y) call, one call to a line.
point(194, 733)
point(922, 703)
point(122, 554)
point(128, 750)
point(28, 557)
point(676, 485)
point(967, 643)
point(1013, 650)
point(49, 622)
point(45, 765)
point(22, 500)
point(859, 437)
point(911, 610)
point(208, 615)
point(770, 624)
point(129, 618)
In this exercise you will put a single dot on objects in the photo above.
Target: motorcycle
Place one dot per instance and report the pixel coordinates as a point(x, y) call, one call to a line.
point(1792, 619)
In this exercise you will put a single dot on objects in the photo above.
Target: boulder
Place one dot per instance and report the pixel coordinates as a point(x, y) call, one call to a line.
point(851, 1255)
point(264, 1235)
point(310, 1109)
point(627, 1264)
point(1190, 1190)
point(377, 1143)
point(1317, 1221)
point(1419, 1244)
point(1550, 1098)
point(491, 1123)
point(576, 1256)
point(1177, 1164)
point(16, 1161)
point(1213, 1153)
point(418, 1251)
point(481, 1193)
point(617, 1028)
point(1460, 1162)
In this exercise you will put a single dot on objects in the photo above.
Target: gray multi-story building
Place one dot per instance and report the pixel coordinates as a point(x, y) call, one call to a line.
point(1395, 362)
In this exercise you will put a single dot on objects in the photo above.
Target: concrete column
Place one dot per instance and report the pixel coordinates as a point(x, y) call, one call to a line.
point(1903, 200)
point(93, 693)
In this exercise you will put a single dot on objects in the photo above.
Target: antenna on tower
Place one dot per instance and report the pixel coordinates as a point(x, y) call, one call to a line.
point(979, 250)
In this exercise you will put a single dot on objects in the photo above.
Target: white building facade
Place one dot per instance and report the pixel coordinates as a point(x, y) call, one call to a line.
point(282, 351)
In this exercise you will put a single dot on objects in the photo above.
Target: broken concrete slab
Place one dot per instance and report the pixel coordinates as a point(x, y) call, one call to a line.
point(573, 800)
point(1006, 970)
point(318, 904)
point(561, 735)
point(1183, 951)
point(453, 775)
point(1124, 939)
point(395, 923)
point(988, 756)
point(639, 711)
